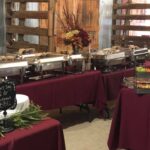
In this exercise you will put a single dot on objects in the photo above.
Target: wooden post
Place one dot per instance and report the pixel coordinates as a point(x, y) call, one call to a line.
point(21, 30)
point(8, 22)
point(21, 21)
point(51, 18)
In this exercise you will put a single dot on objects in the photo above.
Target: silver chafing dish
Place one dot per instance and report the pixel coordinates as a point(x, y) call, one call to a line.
point(111, 59)
point(15, 68)
point(37, 65)
point(78, 61)
point(139, 55)
point(47, 64)
point(58, 62)
point(117, 57)
point(41, 64)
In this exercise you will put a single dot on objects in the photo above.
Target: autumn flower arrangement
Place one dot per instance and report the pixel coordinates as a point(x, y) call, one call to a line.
point(73, 33)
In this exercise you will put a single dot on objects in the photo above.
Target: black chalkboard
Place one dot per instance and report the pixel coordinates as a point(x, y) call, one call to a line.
point(7, 95)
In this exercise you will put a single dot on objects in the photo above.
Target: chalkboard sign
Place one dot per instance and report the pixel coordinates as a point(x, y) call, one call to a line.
point(7, 95)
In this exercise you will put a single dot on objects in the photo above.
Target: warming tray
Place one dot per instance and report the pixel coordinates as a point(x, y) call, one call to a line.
point(56, 62)
point(13, 69)
point(140, 51)
point(18, 64)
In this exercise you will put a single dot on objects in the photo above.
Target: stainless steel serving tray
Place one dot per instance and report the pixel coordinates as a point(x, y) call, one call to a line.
point(12, 68)
point(49, 61)
point(57, 61)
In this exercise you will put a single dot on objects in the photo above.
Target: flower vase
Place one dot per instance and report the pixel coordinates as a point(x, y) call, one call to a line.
point(75, 49)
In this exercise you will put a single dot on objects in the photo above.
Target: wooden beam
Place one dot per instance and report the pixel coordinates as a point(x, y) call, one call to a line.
point(131, 38)
point(132, 17)
point(28, 14)
point(51, 15)
point(8, 22)
point(21, 20)
point(128, 42)
point(21, 1)
point(131, 27)
point(114, 12)
point(132, 6)
point(26, 30)
point(17, 45)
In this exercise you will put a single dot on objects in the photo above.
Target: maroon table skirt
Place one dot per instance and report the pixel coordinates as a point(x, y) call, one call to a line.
point(130, 127)
point(46, 135)
point(68, 90)
point(113, 82)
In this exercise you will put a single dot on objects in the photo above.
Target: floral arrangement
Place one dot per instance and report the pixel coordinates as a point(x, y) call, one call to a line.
point(74, 34)
point(77, 37)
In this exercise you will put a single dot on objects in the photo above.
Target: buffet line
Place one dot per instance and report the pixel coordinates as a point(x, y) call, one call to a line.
point(28, 65)
point(36, 65)
point(117, 57)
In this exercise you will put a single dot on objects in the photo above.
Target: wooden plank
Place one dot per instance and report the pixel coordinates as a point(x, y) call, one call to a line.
point(28, 14)
point(22, 21)
point(132, 6)
point(122, 16)
point(131, 27)
point(127, 40)
point(17, 45)
point(132, 38)
point(126, 22)
point(88, 16)
point(8, 22)
point(27, 30)
point(43, 23)
point(114, 13)
point(9, 1)
point(51, 23)
point(131, 17)
point(126, 43)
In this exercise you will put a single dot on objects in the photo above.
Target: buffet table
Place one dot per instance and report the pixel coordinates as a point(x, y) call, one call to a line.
point(46, 135)
point(68, 90)
point(113, 82)
point(130, 127)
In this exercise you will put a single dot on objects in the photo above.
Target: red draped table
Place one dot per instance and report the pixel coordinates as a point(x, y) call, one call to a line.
point(130, 127)
point(68, 90)
point(46, 135)
point(113, 82)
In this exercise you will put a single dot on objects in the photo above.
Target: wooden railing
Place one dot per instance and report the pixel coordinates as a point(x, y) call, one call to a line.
point(21, 29)
point(121, 26)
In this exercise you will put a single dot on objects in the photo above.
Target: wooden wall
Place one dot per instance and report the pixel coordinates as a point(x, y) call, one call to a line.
point(49, 30)
point(123, 16)
point(89, 19)
point(16, 32)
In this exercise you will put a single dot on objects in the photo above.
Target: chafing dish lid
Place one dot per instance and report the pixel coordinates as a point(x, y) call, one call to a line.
point(14, 64)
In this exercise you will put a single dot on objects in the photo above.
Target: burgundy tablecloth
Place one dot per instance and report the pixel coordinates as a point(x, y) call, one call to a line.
point(130, 127)
point(46, 135)
point(68, 90)
point(113, 82)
